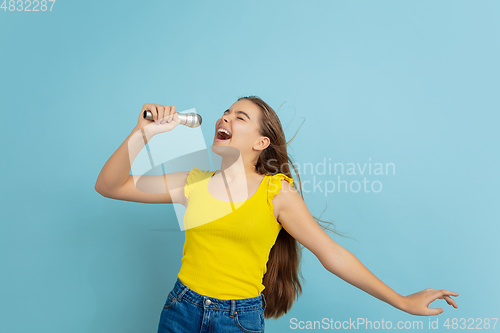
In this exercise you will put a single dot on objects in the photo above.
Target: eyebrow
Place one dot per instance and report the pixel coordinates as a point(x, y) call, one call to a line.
point(240, 112)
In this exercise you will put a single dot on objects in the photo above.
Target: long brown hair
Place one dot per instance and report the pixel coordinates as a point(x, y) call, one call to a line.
point(282, 285)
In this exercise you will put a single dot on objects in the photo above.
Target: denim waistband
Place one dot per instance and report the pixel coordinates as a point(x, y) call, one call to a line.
point(232, 305)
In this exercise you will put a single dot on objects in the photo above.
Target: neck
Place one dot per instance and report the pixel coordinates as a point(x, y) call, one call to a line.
point(236, 170)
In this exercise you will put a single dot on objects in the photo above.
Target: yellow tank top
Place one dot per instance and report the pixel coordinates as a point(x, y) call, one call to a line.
point(227, 245)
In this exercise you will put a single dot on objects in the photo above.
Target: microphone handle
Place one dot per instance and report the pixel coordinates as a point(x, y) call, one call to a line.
point(188, 119)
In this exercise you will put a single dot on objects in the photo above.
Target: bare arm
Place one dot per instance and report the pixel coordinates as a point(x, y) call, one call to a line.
point(294, 216)
point(114, 180)
point(116, 171)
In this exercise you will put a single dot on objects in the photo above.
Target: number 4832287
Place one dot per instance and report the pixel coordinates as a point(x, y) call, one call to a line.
point(27, 5)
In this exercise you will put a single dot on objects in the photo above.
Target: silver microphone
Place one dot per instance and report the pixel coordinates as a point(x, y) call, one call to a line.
point(190, 119)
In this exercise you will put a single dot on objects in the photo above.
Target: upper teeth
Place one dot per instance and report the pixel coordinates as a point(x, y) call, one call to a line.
point(223, 130)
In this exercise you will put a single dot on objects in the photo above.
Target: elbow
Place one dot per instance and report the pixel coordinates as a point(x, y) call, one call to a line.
point(100, 190)
point(335, 261)
point(97, 187)
point(329, 265)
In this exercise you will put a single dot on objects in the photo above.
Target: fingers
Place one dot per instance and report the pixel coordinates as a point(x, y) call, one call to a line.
point(172, 113)
point(176, 118)
point(154, 111)
point(444, 294)
point(450, 301)
point(447, 292)
point(158, 111)
point(166, 116)
point(169, 114)
point(152, 108)
point(161, 113)
point(435, 311)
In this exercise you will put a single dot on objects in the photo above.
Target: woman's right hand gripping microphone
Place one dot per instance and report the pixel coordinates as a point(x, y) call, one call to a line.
point(165, 119)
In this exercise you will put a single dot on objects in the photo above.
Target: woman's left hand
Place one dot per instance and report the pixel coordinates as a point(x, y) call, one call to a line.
point(417, 303)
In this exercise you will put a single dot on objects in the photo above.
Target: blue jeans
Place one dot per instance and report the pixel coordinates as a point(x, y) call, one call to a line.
point(187, 311)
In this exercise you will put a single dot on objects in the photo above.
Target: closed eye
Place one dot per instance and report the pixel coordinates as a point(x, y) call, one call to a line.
point(236, 117)
point(237, 112)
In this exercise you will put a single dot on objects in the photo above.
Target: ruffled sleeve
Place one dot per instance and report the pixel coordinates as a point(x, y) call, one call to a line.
point(275, 186)
point(195, 176)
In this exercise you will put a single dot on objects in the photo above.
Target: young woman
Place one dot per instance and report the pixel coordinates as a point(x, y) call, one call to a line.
point(243, 225)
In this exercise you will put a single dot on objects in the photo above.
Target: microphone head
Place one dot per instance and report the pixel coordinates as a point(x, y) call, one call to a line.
point(189, 119)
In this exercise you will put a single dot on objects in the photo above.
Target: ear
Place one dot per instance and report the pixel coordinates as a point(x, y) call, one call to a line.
point(262, 143)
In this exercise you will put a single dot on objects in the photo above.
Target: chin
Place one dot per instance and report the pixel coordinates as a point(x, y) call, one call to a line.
point(223, 150)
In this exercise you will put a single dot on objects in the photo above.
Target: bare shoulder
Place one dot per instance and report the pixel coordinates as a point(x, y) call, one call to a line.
point(295, 218)
point(287, 197)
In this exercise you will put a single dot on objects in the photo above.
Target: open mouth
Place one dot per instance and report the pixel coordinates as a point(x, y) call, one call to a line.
point(223, 135)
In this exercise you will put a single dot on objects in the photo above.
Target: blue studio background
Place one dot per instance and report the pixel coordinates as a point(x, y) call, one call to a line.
point(410, 83)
